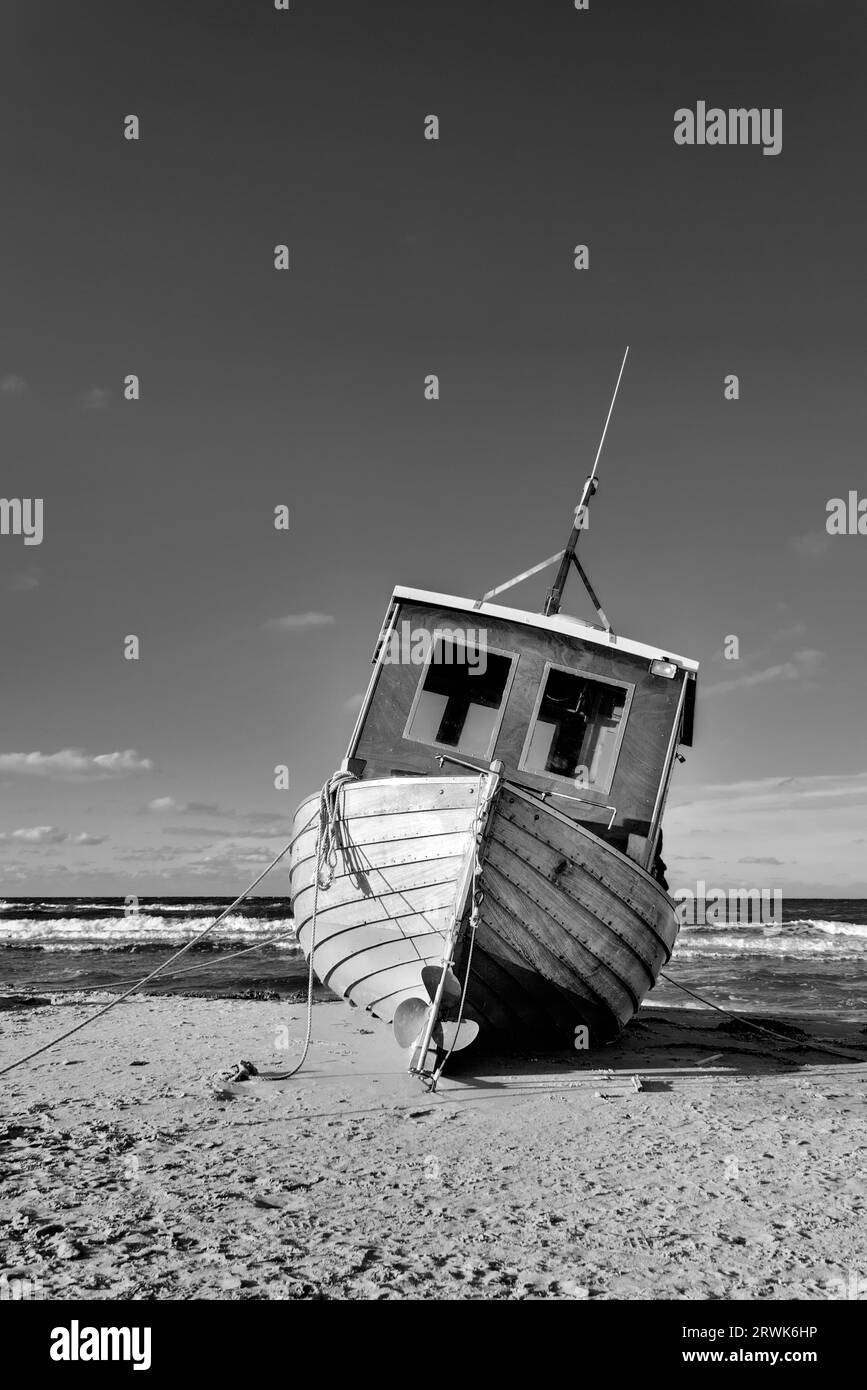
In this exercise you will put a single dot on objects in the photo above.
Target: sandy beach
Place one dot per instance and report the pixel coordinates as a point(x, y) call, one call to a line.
point(131, 1171)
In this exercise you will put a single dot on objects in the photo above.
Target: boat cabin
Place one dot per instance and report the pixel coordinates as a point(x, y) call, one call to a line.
point(587, 720)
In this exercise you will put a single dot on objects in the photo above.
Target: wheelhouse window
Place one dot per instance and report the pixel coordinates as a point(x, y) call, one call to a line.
point(461, 697)
point(577, 728)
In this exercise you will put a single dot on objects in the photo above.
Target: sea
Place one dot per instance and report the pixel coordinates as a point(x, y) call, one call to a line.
point(811, 962)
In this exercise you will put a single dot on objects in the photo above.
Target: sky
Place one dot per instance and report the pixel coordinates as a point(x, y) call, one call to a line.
point(304, 388)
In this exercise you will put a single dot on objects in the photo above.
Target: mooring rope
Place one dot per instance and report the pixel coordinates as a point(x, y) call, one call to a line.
point(326, 840)
point(758, 1028)
point(108, 986)
point(326, 864)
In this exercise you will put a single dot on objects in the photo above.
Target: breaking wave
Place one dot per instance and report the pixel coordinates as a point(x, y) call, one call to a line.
point(120, 932)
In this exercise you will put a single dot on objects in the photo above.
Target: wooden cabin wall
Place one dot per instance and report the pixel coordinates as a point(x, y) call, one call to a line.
point(641, 760)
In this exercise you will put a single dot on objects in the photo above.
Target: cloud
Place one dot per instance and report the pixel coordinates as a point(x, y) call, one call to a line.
point(36, 835)
point(50, 835)
point(812, 545)
point(778, 793)
point(230, 861)
point(12, 385)
point(261, 855)
point(300, 622)
point(185, 808)
point(803, 663)
point(22, 582)
point(354, 703)
point(791, 633)
point(265, 832)
point(162, 805)
point(74, 764)
point(159, 853)
point(97, 398)
point(800, 828)
point(15, 871)
point(209, 830)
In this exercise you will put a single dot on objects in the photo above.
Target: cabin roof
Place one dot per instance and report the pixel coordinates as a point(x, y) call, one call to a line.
point(560, 622)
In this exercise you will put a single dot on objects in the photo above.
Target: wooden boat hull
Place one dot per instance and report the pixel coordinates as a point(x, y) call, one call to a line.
point(570, 932)
point(403, 844)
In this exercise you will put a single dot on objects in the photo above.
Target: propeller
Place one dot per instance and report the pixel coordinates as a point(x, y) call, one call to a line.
point(408, 1025)
point(409, 1020)
point(451, 996)
point(457, 1035)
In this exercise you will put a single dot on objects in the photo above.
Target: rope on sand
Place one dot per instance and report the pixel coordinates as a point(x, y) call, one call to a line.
point(757, 1027)
point(61, 1037)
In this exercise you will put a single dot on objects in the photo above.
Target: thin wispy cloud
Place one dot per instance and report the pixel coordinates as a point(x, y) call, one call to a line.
point(803, 663)
point(354, 703)
point(801, 828)
point(97, 398)
point(12, 385)
point(779, 793)
point(165, 805)
point(812, 545)
point(196, 831)
point(794, 831)
point(156, 854)
point(162, 804)
point(300, 622)
point(266, 832)
point(24, 581)
point(74, 764)
point(792, 633)
point(234, 862)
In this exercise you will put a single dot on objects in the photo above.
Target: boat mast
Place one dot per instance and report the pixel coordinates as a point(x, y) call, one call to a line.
point(554, 596)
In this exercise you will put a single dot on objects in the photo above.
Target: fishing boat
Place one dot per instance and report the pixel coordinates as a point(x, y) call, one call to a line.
point(488, 858)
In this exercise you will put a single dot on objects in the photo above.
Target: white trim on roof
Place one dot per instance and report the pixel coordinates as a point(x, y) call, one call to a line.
point(570, 627)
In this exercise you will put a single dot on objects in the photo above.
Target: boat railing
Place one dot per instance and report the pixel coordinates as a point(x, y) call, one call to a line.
point(544, 793)
point(540, 794)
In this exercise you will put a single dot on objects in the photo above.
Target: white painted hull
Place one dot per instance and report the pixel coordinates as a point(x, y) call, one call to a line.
point(570, 931)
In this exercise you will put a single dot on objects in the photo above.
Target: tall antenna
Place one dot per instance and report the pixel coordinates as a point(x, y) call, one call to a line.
point(555, 594)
